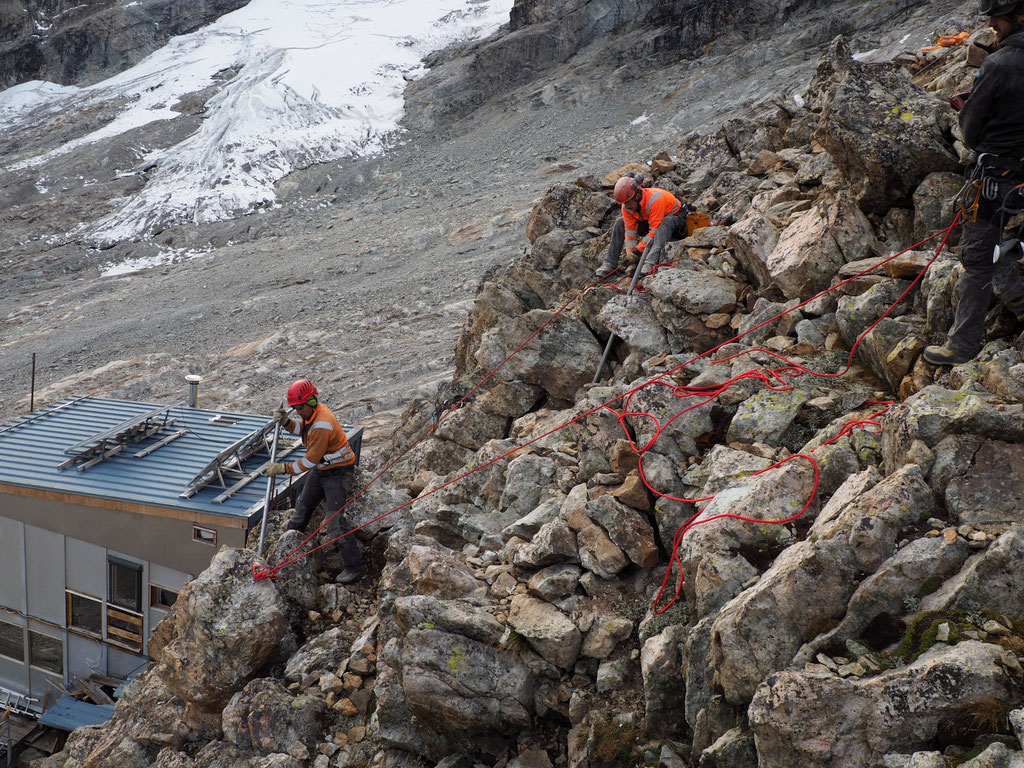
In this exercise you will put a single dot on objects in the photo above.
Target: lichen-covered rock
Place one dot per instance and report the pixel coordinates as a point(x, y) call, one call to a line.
point(320, 654)
point(263, 716)
point(765, 416)
point(457, 686)
point(223, 628)
point(567, 206)
point(451, 616)
point(664, 687)
point(627, 528)
point(761, 630)
point(989, 580)
point(546, 629)
point(934, 413)
point(819, 719)
point(885, 133)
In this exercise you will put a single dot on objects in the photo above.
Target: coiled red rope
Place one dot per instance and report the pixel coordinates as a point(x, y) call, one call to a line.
point(773, 378)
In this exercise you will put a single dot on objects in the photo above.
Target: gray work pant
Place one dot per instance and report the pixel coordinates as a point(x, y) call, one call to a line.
point(672, 228)
point(981, 278)
point(335, 487)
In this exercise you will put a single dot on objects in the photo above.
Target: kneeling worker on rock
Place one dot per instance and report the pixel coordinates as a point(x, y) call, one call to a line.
point(991, 124)
point(656, 210)
point(328, 466)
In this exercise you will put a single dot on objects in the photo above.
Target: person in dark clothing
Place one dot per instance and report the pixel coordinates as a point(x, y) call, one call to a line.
point(992, 126)
point(326, 472)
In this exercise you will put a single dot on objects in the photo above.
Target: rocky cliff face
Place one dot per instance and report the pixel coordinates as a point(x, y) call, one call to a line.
point(849, 593)
point(77, 43)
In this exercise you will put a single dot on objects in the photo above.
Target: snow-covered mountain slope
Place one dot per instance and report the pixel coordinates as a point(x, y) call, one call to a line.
point(298, 82)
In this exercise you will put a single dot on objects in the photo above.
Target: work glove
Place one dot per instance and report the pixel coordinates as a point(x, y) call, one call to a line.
point(275, 468)
point(281, 416)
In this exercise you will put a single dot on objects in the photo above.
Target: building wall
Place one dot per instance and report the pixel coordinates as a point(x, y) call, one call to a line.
point(163, 540)
point(39, 565)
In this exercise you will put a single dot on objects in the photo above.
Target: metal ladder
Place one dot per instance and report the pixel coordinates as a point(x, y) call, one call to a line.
point(17, 703)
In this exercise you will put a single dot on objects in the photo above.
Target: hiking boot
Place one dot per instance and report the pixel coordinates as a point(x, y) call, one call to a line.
point(603, 271)
point(944, 356)
point(349, 575)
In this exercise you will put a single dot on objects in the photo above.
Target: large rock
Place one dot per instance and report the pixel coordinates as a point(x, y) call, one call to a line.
point(984, 491)
point(561, 358)
point(433, 572)
point(764, 417)
point(693, 292)
point(762, 629)
point(222, 629)
point(906, 574)
point(546, 629)
point(636, 323)
point(752, 240)
point(816, 244)
point(989, 580)
point(263, 716)
point(455, 617)
point(627, 528)
point(664, 688)
point(819, 719)
point(934, 413)
point(777, 494)
point(457, 685)
point(320, 654)
point(885, 133)
point(567, 206)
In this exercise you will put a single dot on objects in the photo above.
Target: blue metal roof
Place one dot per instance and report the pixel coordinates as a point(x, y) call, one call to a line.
point(68, 714)
point(33, 447)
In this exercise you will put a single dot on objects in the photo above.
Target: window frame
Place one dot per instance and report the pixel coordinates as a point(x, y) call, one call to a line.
point(196, 535)
point(31, 656)
point(69, 594)
point(117, 562)
point(125, 638)
point(154, 591)
point(24, 642)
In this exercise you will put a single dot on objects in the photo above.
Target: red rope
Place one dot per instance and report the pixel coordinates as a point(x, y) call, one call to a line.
point(790, 370)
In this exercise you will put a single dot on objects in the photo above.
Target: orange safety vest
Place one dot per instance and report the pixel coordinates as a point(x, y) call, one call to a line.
point(655, 205)
point(326, 444)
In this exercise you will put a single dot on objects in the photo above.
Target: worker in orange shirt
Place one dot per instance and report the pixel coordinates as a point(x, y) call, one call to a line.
point(326, 469)
point(655, 213)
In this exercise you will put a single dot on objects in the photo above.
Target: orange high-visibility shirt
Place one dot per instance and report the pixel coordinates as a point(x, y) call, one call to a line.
point(326, 444)
point(655, 205)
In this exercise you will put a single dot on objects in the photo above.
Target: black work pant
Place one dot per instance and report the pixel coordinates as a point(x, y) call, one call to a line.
point(672, 228)
point(335, 487)
point(981, 277)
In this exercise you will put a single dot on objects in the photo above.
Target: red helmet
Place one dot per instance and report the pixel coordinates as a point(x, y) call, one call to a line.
point(301, 392)
point(625, 189)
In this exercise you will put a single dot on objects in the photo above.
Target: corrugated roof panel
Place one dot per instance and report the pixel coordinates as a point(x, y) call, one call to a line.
point(68, 713)
point(33, 447)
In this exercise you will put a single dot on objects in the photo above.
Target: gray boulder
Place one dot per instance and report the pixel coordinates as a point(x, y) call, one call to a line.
point(885, 133)
point(264, 717)
point(819, 719)
point(206, 648)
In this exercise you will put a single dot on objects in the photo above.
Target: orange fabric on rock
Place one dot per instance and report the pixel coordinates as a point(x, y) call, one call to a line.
point(326, 444)
point(655, 205)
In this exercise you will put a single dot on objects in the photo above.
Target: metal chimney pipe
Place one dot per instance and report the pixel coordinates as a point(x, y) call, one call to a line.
point(193, 389)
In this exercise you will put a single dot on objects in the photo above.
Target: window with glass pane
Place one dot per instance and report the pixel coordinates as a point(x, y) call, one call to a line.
point(125, 584)
point(161, 597)
point(85, 614)
point(46, 652)
point(12, 641)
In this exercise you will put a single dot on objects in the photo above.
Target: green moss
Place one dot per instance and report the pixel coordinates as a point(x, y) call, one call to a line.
point(921, 634)
point(930, 585)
